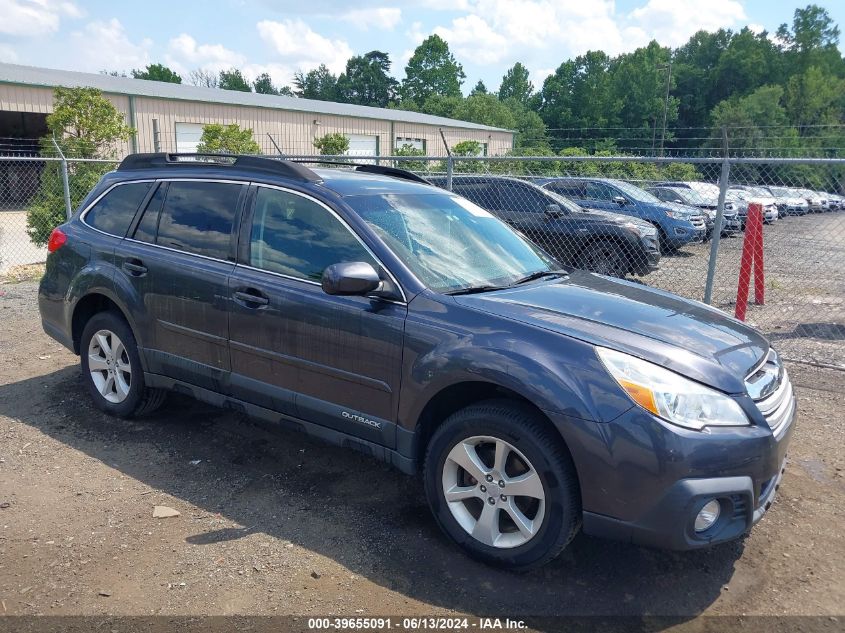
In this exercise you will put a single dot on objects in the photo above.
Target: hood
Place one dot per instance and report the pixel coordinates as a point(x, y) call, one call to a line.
point(616, 218)
point(689, 337)
point(681, 210)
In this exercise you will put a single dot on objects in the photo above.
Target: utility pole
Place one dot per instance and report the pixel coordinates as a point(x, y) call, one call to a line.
point(668, 68)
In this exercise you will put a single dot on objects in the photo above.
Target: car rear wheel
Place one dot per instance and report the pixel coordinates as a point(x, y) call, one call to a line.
point(112, 369)
point(502, 485)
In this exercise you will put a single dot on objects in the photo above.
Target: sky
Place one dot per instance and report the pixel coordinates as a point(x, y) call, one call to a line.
point(283, 36)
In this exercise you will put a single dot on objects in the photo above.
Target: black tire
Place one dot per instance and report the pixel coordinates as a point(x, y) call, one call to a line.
point(604, 258)
point(140, 400)
point(544, 449)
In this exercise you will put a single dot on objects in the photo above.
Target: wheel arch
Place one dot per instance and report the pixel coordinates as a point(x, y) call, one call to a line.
point(460, 395)
point(94, 302)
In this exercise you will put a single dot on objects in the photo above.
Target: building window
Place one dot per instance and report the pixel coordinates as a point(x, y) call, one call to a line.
point(416, 143)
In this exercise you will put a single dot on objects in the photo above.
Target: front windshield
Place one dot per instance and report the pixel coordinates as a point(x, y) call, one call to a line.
point(448, 242)
point(635, 193)
point(781, 192)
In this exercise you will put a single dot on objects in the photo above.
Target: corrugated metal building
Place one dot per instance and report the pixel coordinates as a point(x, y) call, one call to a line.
point(169, 117)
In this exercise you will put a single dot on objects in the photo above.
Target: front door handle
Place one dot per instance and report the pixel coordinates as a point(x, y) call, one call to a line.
point(135, 267)
point(251, 297)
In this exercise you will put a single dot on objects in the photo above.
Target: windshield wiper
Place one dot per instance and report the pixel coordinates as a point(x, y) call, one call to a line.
point(538, 275)
point(469, 290)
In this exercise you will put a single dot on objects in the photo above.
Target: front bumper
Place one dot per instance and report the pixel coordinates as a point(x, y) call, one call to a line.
point(643, 480)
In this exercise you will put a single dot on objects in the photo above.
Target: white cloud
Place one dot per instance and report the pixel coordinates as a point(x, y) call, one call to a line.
point(184, 54)
point(385, 18)
point(672, 22)
point(104, 44)
point(8, 54)
point(471, 37)
point(34, 17)
point(300, 46)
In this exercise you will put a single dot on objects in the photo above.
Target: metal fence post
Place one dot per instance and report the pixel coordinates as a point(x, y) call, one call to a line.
point(449, 169)
point(65, 180)
point(720, 212)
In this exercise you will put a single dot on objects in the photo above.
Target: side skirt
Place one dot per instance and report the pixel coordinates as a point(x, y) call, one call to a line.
point(331, 436)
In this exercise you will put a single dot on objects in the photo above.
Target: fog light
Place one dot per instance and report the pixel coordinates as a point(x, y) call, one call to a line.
point(707, 516)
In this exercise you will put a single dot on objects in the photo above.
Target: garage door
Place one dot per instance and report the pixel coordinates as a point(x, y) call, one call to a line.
point(188, 136)
point(362, 145)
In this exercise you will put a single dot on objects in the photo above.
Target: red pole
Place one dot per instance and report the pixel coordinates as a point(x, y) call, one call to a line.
point(753, 234)
point(759, 276)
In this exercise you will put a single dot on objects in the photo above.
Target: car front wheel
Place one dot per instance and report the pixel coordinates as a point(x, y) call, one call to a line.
point(501, 485)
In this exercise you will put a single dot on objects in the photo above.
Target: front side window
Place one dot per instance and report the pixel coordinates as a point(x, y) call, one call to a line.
point(484, 194)
point(197, 217)
point(113, 213)
point(295, 236)
point(448, 242)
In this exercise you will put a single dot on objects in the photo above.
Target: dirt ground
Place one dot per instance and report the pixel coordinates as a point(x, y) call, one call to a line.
point(274, 523)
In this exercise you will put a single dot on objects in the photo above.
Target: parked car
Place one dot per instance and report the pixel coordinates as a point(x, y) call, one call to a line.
point(606, 243)
point(788, 201)
point(837, 202)
point(677, 224)
point(731, 222)
point(825, 201)
point(400, 320)
point(816, 202)
point(760, 196)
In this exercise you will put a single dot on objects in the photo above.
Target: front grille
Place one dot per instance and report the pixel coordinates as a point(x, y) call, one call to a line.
point(770, 388)
point(697, 221)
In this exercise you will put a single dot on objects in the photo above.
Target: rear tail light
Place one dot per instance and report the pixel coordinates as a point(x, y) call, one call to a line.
point(56, 241)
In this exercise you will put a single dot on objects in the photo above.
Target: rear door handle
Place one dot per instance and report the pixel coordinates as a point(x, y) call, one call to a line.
point(135, 267)
point(251, 297)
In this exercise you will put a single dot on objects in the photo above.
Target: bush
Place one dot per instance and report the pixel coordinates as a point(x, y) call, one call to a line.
point(227, 139)
point(332, 144)
point(411, 165)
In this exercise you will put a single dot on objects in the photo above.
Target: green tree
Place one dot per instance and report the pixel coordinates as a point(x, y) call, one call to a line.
point(366, 80)
point(227, 139)
point(469, 149)
point(639, 85)
point(432, 70)
point(157, 72)
point(815, 98)
point(87, 125)
point(812, 41)
point(749, 61)
point(263, 84)
point(485, 109)
point(233, 79)
point(318, 84)
point(516, 84)
point(478, 89)
point(694, 67)
point(332, 144)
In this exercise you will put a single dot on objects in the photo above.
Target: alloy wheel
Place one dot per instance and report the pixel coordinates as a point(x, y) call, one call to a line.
point(109, 366)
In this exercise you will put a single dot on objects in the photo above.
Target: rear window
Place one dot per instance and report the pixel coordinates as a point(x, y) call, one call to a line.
point(197, 217)
point(114, 211)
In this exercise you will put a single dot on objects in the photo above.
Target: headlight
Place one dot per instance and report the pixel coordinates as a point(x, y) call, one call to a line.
point(670, 396)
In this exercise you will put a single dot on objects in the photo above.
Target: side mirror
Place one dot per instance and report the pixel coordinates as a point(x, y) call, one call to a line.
point(350, 279)
point(620, 200)
point(554, 210)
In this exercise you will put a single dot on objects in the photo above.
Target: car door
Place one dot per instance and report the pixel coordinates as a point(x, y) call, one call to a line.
point(178, 259)
point(525, 208)
point(331, 360)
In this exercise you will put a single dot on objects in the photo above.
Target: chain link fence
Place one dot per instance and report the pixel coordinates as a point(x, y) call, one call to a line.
point(684, 225)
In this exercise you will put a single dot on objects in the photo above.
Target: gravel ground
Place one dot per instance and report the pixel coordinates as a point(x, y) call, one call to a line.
point(804, 311)
point(273, 523)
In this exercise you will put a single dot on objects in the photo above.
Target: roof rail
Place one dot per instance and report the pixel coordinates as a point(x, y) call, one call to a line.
point(275, 166)
point(383, 170)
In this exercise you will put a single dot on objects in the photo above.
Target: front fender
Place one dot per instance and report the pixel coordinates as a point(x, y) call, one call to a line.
point(554, 372)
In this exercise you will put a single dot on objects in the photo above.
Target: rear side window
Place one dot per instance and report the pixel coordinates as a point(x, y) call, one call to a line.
point(297, 237)
point(484, 194)
point(114, 212)
point(197, 217)
point(148, 225)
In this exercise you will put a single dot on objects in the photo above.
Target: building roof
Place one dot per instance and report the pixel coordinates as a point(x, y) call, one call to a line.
point(50, 78)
